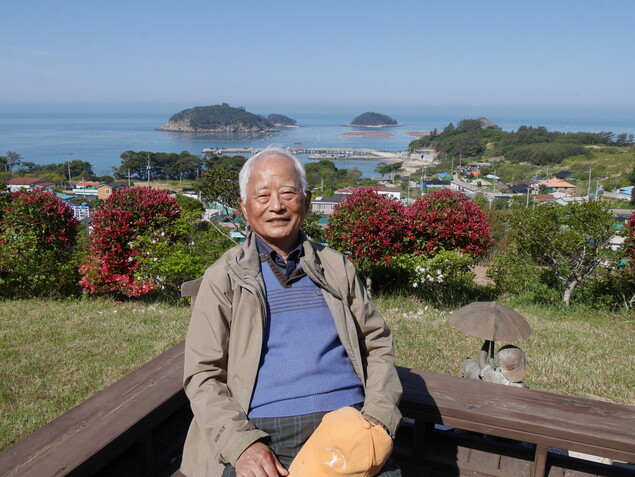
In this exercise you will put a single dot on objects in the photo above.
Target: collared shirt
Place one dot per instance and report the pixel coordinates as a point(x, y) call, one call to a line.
point(285, 269)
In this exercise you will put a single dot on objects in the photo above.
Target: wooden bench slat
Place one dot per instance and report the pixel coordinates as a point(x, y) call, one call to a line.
point(561, 421)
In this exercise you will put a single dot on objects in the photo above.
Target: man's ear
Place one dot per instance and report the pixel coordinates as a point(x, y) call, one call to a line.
point(243, 209)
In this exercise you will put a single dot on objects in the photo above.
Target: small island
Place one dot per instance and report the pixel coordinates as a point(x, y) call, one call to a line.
point(220, 118)
point(282, 121)
point(373, 120)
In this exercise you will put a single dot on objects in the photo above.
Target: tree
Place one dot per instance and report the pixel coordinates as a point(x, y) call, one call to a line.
point(324, 175)
point(11, 160)
point(569, 241)
point(114, 253)
point(5, 196)
point(369, 227)
point(627, 269)
point(447, 220)
point(219, 183)
point(624, 139)
point(383, 168)
point(38, 235)
point(312, 228)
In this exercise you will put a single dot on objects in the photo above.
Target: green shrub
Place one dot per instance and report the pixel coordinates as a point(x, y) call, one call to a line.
point(170, 263)
point(513, 272)
point(443, 279)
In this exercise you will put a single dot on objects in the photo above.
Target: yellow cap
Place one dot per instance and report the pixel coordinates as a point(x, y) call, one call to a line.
point(343, 444)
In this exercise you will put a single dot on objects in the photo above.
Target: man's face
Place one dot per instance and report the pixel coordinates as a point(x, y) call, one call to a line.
point(274, 205)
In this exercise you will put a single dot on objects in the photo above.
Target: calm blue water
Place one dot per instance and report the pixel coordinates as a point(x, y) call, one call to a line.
point(100, 137)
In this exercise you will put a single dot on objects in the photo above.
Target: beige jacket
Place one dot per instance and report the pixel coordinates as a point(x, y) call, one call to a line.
point(224, 340)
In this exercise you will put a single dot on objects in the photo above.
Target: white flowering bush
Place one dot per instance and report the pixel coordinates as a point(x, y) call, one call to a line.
point(169, 259)
point(442, 279)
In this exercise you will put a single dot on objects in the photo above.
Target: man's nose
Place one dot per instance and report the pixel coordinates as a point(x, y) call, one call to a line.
point(275, 203)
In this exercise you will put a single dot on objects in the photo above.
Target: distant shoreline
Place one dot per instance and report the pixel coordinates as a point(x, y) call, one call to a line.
point(373, 125)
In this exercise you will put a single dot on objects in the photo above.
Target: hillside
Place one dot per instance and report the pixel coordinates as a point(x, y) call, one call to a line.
point(221, 118)
point(373, 120)
point(531, 151)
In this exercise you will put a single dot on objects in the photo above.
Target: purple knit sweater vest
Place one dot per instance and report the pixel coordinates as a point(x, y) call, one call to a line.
point(303, 367)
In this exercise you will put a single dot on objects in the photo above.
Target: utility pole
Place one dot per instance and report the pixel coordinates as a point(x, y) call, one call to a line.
point(68, 166)
point(588, 194)
point(148, 168)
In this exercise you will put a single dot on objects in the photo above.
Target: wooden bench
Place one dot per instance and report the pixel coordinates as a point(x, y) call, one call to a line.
point(137, 427)
point(452, 427)
point(508, 431)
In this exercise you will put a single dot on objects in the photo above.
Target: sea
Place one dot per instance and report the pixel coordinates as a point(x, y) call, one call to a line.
point(100, 137)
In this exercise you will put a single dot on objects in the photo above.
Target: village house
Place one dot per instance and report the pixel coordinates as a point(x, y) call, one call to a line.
point(476, 166)
point(557, 185)
point(86, 188)
point(104, 191)
point(30, 183)
point(326, 205)
point(521, 187)
point(436, 183)
point(424, 155)
point(539, 198)
point(392, 192)
point(464, 187)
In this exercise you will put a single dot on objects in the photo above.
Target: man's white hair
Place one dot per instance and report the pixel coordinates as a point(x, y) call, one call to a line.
point(245, 172)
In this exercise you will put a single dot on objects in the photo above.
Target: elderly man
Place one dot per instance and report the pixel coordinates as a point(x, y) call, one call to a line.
point(282, 332)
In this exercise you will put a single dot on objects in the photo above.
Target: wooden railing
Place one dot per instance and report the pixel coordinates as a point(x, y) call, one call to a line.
point(453, 426)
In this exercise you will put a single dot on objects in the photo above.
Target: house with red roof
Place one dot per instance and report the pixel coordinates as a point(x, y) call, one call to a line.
point(30, 183)
point(558, 185)
point(392, 192)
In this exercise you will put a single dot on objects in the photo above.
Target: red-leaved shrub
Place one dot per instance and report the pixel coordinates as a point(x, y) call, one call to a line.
point(38, 234)
point(370, 227)
point(447, 220)
point(111, 265)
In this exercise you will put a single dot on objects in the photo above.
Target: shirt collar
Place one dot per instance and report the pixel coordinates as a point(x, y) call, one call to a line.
point(293, 259)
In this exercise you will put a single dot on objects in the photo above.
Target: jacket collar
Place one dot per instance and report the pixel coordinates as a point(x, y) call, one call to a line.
point(246, 263)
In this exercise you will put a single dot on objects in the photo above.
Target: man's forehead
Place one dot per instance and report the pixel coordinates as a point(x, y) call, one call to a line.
point(273, 160)
point(275, 166)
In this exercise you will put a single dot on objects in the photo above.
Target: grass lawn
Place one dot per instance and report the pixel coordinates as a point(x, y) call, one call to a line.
point(56, 354)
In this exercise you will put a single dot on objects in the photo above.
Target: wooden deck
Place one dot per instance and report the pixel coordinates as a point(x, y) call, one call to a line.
point(453, 427)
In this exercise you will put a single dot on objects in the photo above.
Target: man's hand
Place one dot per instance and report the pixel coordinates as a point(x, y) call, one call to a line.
point(375, 422)
point(258, 460)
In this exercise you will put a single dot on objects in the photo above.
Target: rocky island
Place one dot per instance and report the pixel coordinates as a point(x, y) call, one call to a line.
point(221, 118)
point(373, 120)
point(282, 121)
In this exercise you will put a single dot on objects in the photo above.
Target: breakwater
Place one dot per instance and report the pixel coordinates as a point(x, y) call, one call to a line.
point(315, 153)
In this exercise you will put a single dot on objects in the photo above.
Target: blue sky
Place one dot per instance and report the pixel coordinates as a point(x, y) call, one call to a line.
point(569, 54)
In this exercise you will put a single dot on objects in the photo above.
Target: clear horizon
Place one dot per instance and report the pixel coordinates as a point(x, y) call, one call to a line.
point(354, 56)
